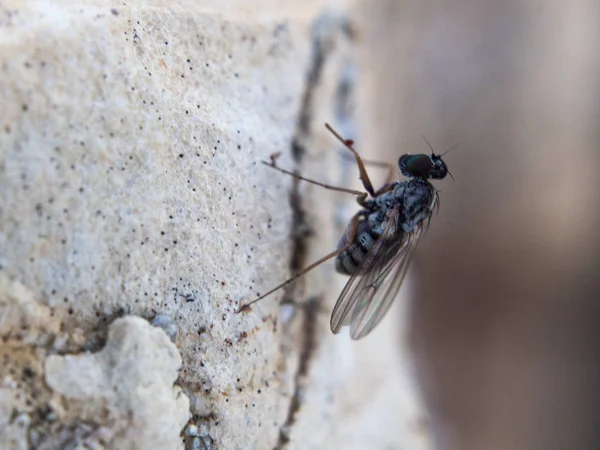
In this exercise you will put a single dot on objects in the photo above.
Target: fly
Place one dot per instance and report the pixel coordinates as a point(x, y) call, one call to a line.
point(380, 239)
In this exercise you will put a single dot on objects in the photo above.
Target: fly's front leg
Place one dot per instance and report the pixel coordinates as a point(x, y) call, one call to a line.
point(364, 176)
point(360, 196)
point(385, 188)
point(391, 168)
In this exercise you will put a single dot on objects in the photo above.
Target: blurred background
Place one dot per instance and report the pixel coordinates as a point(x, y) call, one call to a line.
point(506, 318)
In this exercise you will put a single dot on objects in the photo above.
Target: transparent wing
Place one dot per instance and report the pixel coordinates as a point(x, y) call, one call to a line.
point(358, 288)
point(364, 320)
point(369, 293)
point(353, 293)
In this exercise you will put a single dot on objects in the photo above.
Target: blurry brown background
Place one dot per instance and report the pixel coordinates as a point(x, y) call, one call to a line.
point(506, 321)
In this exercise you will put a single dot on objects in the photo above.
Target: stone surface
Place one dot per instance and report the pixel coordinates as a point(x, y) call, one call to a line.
point(26, 328)
point(120, 397)
point(130, 148)
point(128, 384)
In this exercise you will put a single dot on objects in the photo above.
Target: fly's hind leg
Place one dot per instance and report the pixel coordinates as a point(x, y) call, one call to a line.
point(353, 230)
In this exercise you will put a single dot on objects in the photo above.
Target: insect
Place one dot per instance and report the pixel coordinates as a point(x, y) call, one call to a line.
point(380, 239)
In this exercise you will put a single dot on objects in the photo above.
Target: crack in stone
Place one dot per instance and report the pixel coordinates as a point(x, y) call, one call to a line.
point(324, 32)
point(310, 310)
point(322, 44)
point(301, 231)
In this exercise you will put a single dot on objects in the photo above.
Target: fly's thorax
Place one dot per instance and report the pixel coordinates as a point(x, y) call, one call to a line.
point(398, 192)
point(417, 203)
point(381, 208)
point(388, 199)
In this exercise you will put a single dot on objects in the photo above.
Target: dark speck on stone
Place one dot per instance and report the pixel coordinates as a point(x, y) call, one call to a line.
point(114, 12)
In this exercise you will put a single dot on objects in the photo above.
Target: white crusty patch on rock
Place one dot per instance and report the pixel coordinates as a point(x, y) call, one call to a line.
point(133, 377)
point(21, 316)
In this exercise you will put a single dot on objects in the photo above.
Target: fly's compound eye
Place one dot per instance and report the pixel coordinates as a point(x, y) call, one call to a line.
point(418, 166)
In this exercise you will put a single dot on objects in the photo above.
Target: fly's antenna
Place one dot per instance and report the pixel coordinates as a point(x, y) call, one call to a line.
point(428, 144)
point(449, 150)
point(433, 152)
point(440, 155)
point(445, 153)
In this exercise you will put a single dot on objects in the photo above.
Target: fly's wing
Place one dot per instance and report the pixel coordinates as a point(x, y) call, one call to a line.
point(352, 296)
point(371, 290)
point(385, 287)
point(358, 290)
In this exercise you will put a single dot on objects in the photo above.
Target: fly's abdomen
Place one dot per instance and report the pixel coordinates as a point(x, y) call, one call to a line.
point(414, 200)
point(349, 260)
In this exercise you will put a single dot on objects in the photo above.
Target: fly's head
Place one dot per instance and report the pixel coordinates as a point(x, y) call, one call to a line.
point(423, 166)
point(439, 169)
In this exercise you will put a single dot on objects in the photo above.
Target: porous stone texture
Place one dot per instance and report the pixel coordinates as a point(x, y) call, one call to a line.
point(120, 397)
point(130, 381)
point(131, 138)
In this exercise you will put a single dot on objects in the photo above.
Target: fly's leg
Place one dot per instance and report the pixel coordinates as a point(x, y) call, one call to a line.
point(391, 168)
point(349, 144)
point(351, 237)
point(385, 188)
point(360, 196)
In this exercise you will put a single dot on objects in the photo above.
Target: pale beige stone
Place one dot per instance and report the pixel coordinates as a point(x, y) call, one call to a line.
point(129, 384)
point(130, 148)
